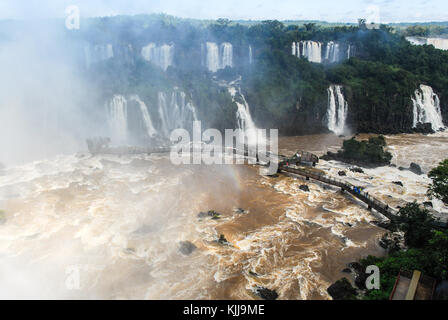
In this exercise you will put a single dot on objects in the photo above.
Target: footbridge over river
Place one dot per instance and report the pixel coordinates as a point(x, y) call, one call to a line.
point(372, 202)
point(286, 165)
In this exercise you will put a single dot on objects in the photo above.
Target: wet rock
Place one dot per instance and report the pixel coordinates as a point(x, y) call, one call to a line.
point(222, 240)
point(254, 274)
point(360, 280)
point(209, 214)
point(347, 270)
point(342, 173)
point(356, 169)
point(186, 247)
point(360, 275)
point(415, 168)
point(425, 128)
point(304, 188)
point(428, 204)
point(392, 241)
point(398, 183)
point(265, 293)
point(393, 165)
point(342, 290)
point(240, 211)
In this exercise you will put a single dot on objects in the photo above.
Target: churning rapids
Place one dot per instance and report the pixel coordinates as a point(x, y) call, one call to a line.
point(118, 221)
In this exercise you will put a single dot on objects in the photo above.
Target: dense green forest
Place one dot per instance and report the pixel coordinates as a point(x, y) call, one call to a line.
point(283, 91)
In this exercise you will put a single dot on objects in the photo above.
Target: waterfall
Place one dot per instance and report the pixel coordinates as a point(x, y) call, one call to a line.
point(162, 56)
point(427, 108)
point(219, 57)
point(250, 55)
point(243, 116)
point(178, 113)
point(98, 53)
point(337, 109)
point(227, 55)
point(438, 43)
point(212, 59)
point(118, 118)
point(145, 115)
point(332, 52)
point(312, 50)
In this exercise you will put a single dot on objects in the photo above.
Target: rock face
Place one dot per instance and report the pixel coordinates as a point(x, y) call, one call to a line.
point(304, 188)
point(425, 128)
point(342, 173)
point(265, 293)
point(342, 290)
point(186, 247)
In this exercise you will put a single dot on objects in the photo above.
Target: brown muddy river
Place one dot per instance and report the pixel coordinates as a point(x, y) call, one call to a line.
point(109, 227)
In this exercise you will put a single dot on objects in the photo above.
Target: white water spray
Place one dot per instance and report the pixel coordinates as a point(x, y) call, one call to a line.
point(162, 56)
point(427, 108)
point(118, 118)
point(337, 110)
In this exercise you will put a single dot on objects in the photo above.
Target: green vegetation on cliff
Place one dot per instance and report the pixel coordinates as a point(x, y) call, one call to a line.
point(283, 91)
point(370, 152)
point(439, 186)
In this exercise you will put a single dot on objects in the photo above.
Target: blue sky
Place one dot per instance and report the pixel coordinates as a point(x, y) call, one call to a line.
point(336, 10)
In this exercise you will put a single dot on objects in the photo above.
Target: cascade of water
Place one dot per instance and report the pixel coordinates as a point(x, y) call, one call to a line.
point(294, 49)
point(98, 53)
point(118, 118)
point(145, 115)
point(250, 55)
point(212, 59)
point(162, 56)
point(332, 52)
point(243, 116)
point(220, 57)
point(337, 110)
point(427, 108)
point(177, 114)
point(349, 49)
point(438, 43)
point(227, 55)
point(311, 50)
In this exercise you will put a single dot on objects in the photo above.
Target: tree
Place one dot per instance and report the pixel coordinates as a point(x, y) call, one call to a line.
point(439, 186)
point(439, 250)
point(417, 225)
